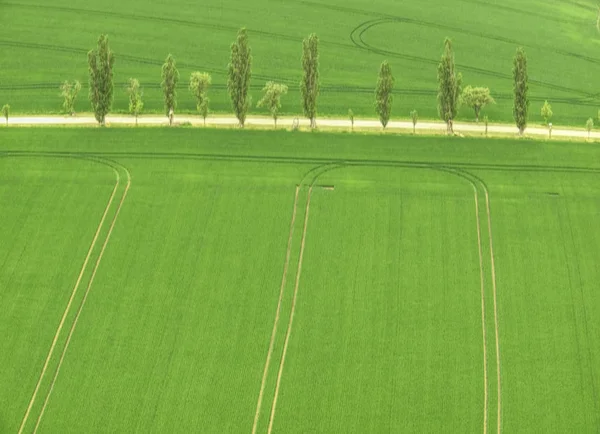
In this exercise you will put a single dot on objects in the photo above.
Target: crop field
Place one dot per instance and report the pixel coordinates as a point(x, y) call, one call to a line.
point(45, 43)
point(183, 280)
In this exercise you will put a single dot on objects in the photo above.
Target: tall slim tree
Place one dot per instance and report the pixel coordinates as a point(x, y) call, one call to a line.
point(383, 93)
point(69, 92)
point(309, 86)
point(272, 98)
point(100, 64)
point(135, 98)
point(199, 83)
point(239, 74)
point(449, 87)
point(170, 78)
point(520, 87)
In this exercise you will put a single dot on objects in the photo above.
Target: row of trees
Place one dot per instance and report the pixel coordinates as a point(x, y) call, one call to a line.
point(450, 95)
point(101, 62)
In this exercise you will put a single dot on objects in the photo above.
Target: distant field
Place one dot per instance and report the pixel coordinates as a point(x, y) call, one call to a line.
point(375, 254)
point(43, 44)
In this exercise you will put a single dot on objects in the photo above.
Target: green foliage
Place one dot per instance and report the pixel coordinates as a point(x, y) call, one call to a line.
point(546, 112)
point(449, 87)
point(69, 92)
point(391, 223)
point(309, 86)
point(476, 98)
point(136, 104)
point(414, 116)
point(199, 84)
point(272, 98)
point(6, 112)
point(383, 93)
point(521, 89)
point(49, 54)
point(170, 78)
point(239, 74)
point(100, 67)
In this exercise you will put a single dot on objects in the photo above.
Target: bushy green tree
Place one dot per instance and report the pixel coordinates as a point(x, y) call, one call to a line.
point(272, 98)
point(309, 86)
point(199, 84)
point(5, 112)
point(170, 78)
point(383, 93)
point(100, 65)
point(239, 74)
point(449, 87)
point(520, 88)
point(476, 98)
point(546, 112)
point(414, 116)
point(135, 98)
point(69, 92)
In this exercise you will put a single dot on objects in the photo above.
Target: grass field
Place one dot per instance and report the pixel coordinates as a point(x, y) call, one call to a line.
point(43, 44)
point(215, 281)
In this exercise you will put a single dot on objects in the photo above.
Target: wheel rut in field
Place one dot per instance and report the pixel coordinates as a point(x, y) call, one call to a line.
point(119, 172)
point(481, 208)
point(315, 172)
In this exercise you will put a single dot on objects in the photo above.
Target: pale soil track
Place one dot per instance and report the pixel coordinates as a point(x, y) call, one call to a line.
point(277, 313)
point(87, 291)
point(292, 312)
point(70, 302)
point(475, 183)
point(494, 287)
point(482, 279)
point(287, 122)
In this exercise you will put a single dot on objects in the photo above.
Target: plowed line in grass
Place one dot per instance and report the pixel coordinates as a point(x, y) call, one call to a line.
point(489, 221)
point(291, 320)
point(277, 314)
point(481, 276)
point(67, 309)
point(87, 291)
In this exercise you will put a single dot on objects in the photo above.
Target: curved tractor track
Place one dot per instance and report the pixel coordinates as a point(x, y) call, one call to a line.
point(59, 345)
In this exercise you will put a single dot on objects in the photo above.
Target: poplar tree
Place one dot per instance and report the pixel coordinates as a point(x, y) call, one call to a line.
point(309, 86)
point(239, 73)
point(383, 93)
point(449, 87)
point(100, 65)
point(170, 78)
point(520, 87)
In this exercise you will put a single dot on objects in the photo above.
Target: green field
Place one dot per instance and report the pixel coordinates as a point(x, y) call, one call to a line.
point(43, 44)
point(169, 280)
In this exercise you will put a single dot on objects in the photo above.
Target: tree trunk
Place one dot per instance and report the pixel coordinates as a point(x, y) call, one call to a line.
point(136, 120)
